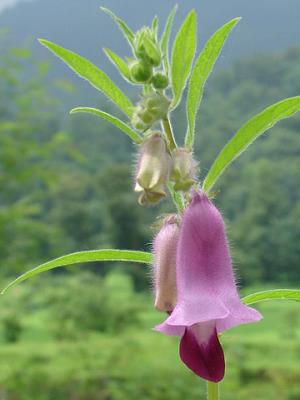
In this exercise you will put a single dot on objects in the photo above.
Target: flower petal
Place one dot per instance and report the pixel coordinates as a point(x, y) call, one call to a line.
point(201, 351)
point(205, 281)
point(164, 267)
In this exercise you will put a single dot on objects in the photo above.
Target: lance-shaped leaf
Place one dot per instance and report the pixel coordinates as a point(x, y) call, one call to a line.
point(276, 294)
point(155, 25)
point(182, 55)
point(255, 127)
point(88, 71)
point(164, 42)
point(202, 69)
point(127, 32)
point(85, 257)
point(134, 136)
point(119, 63)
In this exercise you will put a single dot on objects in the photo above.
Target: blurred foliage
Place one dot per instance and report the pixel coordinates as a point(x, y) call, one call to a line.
point(260, 193)
point(66, 186)
point(67, 181)
point(90, 303)
point(86, 337)
point(62, 192)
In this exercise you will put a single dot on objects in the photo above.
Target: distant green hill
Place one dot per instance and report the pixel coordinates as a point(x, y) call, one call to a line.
point(266, 25)
point(260, 194)
point(80, 180)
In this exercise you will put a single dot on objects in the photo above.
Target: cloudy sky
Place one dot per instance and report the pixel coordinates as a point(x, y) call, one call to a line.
point(4, 4)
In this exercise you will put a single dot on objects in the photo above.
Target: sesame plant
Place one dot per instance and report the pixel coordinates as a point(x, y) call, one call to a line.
point(194, 284)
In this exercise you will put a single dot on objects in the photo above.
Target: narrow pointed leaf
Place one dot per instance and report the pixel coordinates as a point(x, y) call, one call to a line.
point(277, 294)
point(88, 71)
point(127, 32)
point(155, 25)
point(164, 42)
point(119, 63)
point(182, 55)
point(150, 48)
point(255, 127)
point(115, 121)
point(85, 257)
point(202, 69)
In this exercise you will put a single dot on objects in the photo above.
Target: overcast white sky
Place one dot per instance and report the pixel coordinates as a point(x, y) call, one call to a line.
point(8, 3)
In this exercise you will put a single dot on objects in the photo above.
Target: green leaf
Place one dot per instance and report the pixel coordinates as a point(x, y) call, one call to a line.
point(202, 69)
point(127, 32)
point(119, 63)
point(277, 294)
point(84, 257)
point(164, 42)
point(115, 121)
point(182, 55)
point(155, 25)
point(255, 127)
point(88, 71)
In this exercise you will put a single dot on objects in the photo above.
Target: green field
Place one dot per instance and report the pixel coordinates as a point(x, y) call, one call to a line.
point(54, 358)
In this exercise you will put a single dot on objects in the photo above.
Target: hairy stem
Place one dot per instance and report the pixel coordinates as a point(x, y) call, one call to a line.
point(169, 133)
point(212, 391)
point(177, 198)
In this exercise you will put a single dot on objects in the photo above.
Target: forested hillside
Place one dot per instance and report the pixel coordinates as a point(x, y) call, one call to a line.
point(66, 184)
point(260, 193)
point(68, 179)
point(80, 25)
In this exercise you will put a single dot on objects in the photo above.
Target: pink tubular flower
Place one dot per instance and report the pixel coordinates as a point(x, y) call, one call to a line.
point(207, 299)
point(164, 269)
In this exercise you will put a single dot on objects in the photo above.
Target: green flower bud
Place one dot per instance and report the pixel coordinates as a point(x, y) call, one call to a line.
point(153, 55)
point(157, 101)
point(160, 81)
point(140, 72)
point(146, 117)
point(183, 170)
point(139, 42)
point(138, 124)
point(146, 47)
point(152, 169)
point(150, 109)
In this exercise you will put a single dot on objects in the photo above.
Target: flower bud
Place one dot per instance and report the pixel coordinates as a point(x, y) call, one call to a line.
point(146, 116)
point(138, 124)
point(153, 55)
point(139, 42)
point(140, 72)
point(150, 109)
point(146, 47)
point(183, 170)
point(164, 269)
point(152, 169)
point(160, 81)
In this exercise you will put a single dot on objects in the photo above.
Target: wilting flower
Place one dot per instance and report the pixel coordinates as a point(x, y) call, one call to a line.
point(183, 171)
point(207, 299)
point(152, 169)
point(164, 268)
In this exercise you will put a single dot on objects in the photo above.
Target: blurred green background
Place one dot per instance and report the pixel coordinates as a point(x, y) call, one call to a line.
point(85, 333)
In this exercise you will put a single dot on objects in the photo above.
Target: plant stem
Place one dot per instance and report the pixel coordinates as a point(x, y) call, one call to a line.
point(177, 199)
point(212, 391)
point(169, 133)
